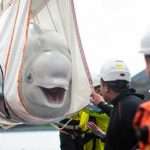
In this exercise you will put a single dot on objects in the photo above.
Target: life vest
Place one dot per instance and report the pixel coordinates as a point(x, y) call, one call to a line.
point(79, 123)
point(100, 119)
point(142, 125)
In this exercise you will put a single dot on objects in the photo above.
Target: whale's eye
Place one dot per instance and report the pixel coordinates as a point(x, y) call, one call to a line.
point(29, 78)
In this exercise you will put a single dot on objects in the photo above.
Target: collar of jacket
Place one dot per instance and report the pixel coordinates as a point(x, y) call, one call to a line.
point(122, 95)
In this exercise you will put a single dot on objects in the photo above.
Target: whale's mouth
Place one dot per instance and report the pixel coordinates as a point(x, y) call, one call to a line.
point(54, 95)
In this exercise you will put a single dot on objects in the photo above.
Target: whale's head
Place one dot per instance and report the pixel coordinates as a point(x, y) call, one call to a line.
point(46, 85)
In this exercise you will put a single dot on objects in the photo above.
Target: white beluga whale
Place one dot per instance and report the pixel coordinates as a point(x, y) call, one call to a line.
point(47, 74)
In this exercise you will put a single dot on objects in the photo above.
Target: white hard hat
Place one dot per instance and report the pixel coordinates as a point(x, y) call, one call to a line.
point(96, 81)
point(115, 70)
point(145, 44)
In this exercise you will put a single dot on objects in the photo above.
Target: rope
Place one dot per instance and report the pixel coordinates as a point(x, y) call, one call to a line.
point(61, 128)
point(80, 46)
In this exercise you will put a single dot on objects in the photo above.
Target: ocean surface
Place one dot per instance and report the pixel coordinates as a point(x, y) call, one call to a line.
point(30, 140)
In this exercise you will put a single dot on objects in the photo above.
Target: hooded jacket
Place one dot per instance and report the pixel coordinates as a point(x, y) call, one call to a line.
point(120, 134)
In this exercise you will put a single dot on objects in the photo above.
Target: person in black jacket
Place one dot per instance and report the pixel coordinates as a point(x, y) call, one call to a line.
point(141, 120)
point(142, 79)
point(115, 80)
